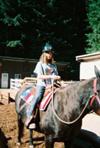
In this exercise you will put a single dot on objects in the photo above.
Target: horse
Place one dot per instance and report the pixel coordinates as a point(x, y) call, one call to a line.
point(62, 120)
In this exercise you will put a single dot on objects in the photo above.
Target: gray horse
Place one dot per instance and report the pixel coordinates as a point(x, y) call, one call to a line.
point(62, 119)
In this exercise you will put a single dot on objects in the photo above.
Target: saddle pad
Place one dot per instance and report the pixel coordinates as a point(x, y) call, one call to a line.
point(28, 94)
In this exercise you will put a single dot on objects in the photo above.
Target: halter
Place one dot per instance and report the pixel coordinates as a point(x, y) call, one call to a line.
point(95, 96)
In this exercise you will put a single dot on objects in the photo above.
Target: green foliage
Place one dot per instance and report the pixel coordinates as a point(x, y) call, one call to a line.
point(34, 22)
point(15, 21)
point(93, 35)
point(14, 43)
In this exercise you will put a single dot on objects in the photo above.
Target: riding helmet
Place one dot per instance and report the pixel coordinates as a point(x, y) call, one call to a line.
point(48, 48)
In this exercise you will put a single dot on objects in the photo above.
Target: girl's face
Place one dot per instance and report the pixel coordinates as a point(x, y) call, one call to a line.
point(49, 55)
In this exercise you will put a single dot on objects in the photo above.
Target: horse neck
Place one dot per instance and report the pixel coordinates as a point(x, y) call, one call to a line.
point(86, 94)
point(87, 86)
point(67, 102)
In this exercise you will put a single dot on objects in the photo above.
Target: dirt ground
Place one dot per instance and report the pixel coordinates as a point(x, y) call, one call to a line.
point(8, 125)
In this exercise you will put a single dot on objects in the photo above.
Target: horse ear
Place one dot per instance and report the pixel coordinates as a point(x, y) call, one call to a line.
point(97, 72)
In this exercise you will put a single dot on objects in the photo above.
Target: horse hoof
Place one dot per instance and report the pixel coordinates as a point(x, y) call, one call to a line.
point(31, 146)
point(18, 144)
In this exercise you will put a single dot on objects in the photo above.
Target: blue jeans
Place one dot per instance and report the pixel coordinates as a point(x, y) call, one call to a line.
point(38, 97)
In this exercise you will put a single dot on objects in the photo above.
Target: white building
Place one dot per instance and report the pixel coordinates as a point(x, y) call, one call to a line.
point(87, 63)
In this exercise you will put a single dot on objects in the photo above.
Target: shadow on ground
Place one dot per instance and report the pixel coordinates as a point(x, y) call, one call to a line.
point(3, 140)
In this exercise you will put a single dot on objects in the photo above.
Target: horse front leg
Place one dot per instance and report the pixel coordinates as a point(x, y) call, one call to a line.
point(31, 139)
point(49, 143)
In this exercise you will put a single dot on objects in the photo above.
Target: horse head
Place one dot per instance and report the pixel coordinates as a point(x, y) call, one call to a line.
point(96, 88)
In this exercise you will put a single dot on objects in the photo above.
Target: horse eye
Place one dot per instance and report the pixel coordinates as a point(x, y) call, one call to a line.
point(98, 91)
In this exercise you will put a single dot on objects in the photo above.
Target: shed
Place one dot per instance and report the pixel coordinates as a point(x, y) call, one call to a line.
point(87, 63)
point(19, 68)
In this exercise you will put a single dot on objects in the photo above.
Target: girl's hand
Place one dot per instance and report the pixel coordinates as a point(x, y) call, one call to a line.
point(55, 77)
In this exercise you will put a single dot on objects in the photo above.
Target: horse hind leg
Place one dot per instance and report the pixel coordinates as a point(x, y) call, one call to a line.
point(20, 130)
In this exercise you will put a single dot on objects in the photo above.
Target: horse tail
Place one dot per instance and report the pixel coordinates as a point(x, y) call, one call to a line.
point(20, 123)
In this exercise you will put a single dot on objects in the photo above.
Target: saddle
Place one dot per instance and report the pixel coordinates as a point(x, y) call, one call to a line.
point(29, 92)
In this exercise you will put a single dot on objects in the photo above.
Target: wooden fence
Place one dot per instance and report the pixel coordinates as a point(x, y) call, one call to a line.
point(15, 84)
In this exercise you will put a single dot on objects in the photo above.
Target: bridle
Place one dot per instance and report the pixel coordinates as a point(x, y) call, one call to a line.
point(91, 100)
point(95, 96)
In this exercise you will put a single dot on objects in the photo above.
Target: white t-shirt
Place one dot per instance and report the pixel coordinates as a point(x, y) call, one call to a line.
point(45, 69)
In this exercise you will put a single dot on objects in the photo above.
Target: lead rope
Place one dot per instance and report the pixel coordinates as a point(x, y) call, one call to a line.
point(54, 112)
point(95, 90)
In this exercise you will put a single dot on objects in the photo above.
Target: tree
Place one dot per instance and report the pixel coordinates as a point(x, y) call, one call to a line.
point(27, 24)
point(93, 35)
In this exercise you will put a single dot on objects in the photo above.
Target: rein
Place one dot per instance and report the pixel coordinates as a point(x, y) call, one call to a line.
point(92, 99)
